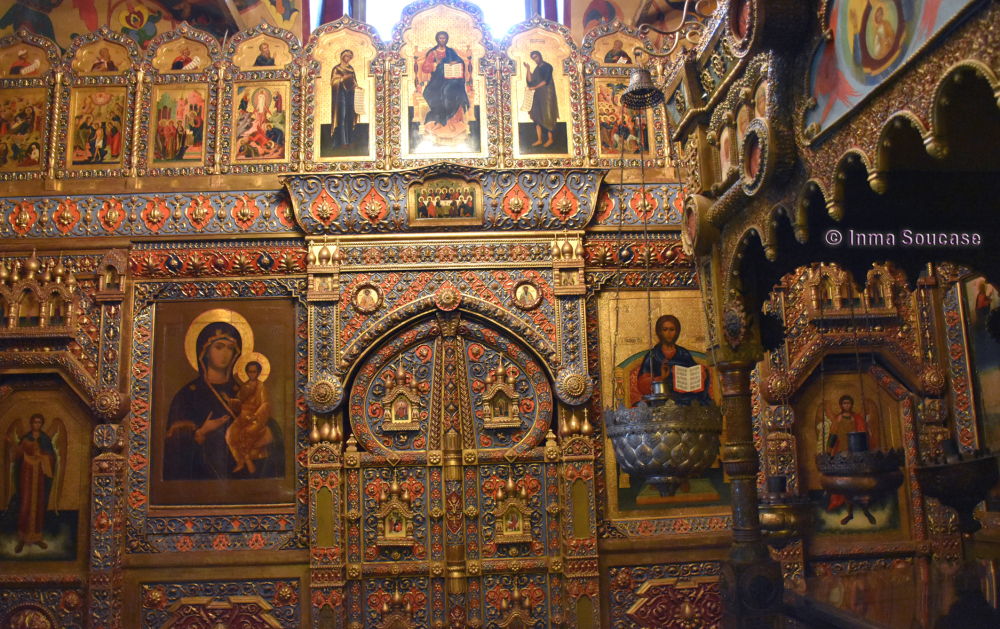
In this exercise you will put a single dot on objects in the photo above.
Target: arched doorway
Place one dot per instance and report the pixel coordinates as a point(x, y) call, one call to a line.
point(452, 505)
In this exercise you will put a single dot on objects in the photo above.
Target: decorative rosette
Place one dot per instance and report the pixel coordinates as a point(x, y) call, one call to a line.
point(324, 393)
point(107, 403)
point(573, 386)
point(447, 298)
point(933, 380)
point(779, 386)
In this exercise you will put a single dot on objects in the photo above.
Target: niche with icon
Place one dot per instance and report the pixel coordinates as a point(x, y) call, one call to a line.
point(395, 518)
point(39, 298)
point(513, 518)
point(111, 276)
point(323, 266)
point(501, 401)
point(851, 444)
point(401, 403)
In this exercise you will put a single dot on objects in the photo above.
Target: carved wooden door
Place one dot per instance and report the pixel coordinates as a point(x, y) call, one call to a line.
point(452, 497)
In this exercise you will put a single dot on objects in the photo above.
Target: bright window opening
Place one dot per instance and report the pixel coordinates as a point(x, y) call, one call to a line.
point(499, 15)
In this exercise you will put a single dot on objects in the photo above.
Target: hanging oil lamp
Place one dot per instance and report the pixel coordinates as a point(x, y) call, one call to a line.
point(960, 481)
point(785, 516)
point(664, 440)
point(861, 475)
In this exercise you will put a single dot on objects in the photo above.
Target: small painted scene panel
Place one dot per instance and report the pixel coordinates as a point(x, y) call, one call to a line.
point(45, 476)
point(260, 123)
point(223, 405)
point(620, 130)
point(447, 200)
point(22, 122)
point(177, 126)
point(650, 344)
point(96, 127)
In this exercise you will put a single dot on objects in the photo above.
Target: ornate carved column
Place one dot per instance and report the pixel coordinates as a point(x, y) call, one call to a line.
point(327, 537)
point(107, 513)
point(455, 569)
point(579, 526)
point(752, 583)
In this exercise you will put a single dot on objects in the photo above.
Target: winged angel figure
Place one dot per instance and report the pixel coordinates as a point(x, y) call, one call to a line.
point(35, 459)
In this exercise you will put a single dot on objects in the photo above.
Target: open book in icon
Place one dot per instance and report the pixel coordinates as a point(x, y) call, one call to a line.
point(688, 379)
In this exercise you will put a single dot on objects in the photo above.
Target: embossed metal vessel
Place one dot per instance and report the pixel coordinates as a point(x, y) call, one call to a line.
point(961, 485)
point(663, 443)
point(861, 477)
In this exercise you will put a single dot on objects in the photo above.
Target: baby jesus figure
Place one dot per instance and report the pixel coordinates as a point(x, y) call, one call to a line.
point(247, 432)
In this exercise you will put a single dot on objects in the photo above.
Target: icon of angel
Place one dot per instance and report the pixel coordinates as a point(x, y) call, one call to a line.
point(844, 429)
point(36, 466)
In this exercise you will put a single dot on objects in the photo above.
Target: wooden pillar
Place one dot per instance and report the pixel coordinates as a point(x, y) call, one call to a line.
point(752, 581)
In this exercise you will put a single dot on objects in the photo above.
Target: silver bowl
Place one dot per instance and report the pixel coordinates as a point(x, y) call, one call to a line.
point(665, 445)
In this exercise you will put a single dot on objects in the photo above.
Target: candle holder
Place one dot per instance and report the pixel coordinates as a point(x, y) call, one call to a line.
point(961, 483)
point(861, 477)
point(784, 517)
point(663, 443)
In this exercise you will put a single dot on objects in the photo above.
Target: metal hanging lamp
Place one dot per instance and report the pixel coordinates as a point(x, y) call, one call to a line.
point(861, 475)
point(659, 441)
point(641, 93)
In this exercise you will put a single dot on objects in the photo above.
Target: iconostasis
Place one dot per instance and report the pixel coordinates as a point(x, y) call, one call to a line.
point(322, 335)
